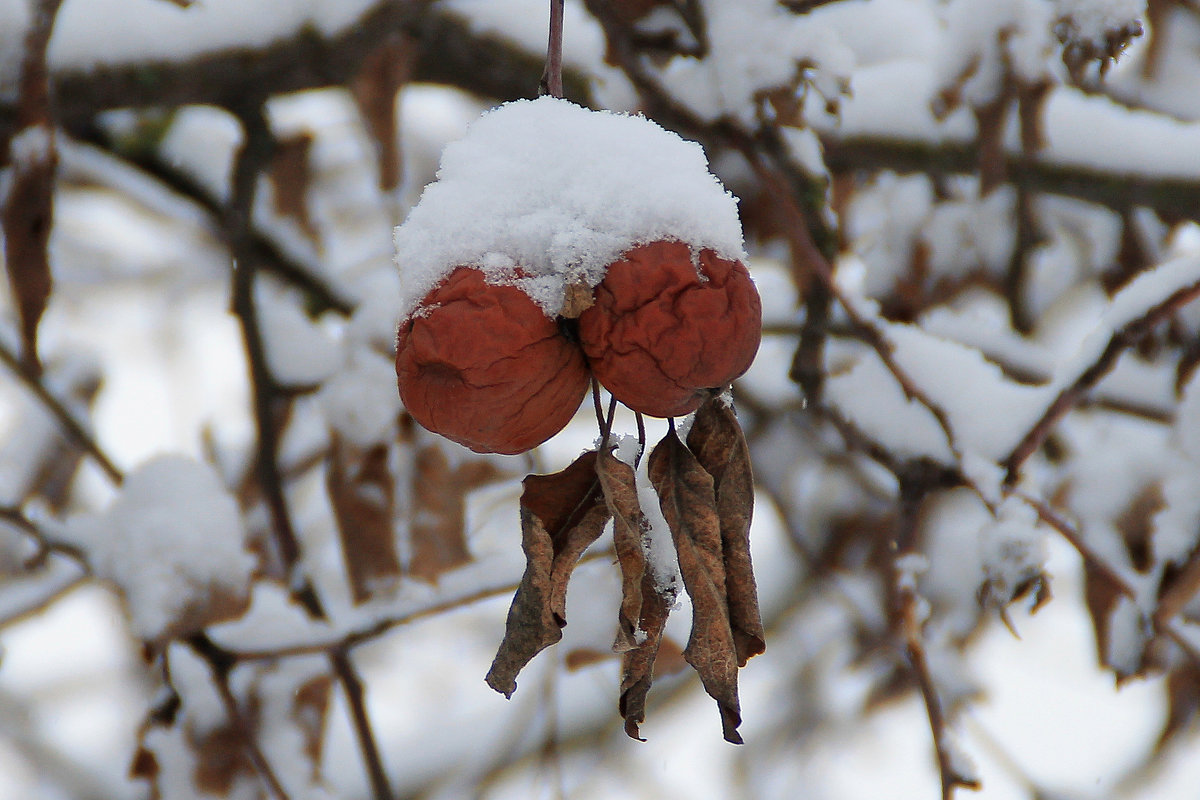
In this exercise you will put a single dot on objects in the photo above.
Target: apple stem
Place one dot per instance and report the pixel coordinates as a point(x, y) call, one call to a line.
point(552, 83)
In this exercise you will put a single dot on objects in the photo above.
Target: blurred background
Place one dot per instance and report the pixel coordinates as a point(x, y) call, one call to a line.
point(973, 419)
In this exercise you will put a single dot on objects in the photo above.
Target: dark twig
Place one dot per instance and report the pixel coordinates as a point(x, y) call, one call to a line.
point(608, 421)
point(45, 544)
point(598, 407)
point(552, 78)
point(51, 592)
point(914, 487)
point(448, 52)
point(221, 664)
point(352, 685)
point(1071, 396)
point(72, 427)
point(805, 6)
point(261, 249)
point(269, 405)
point(866, 327)
point(1172, 197)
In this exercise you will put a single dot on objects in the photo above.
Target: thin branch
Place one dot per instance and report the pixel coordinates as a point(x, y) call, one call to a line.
point(261, 249)
point(598, 407)
point(866, 327)
point(45, 544)
point(805, 6)
point(51, 594)
point(352, 639)
point(1171, 197)
point(1071, 396)
point(1111, 574)
point(352, 685)
point(72, 427)
point(221, 664)
point(448, 52)
point(914, 487)
point(269, 404)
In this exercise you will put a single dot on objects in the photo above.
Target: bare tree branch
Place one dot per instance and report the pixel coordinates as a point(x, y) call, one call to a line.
point(448, 52)
point(1121, 340)
point(1173, 198)
point(72, 427)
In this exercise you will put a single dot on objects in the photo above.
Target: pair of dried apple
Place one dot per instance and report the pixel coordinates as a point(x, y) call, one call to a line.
point(483, 364)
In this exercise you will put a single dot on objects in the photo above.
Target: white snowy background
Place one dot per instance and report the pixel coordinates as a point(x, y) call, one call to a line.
point(141, 310)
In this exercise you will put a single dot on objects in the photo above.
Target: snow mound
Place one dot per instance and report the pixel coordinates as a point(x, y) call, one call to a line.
point(559, 192)
point(173, 543)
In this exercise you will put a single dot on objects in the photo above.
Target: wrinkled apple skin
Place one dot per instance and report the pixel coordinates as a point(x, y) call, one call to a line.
point(484, 366)
point(661, 338)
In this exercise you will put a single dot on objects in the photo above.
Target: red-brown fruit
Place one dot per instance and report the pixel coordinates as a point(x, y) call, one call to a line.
point(660, 337)
point(484, 366)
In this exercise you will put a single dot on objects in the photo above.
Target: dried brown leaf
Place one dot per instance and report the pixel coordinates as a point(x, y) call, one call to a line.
point(641, 662)
point(27, 219)
point(1135, 523)
point(1101, 596)
point(577, 298)
point(670, 660)
point(221, 760)
point(384, 72)
point(1183, 702)
point(644, 607)
point(310, 711)
point(629, 533)
point(437, 526)
point(561, 515)
point(720, 447)
point(361, 490)
point(990, 124)
point(583, 657)
point(144, 766)
point(216, 604)
point(685, 492)
point(291, 176)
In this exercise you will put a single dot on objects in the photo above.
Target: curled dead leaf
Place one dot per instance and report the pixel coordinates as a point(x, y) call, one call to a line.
point(688, 501)
point(561, 515)
point(720, 447)
point(629, 532)
point(638, 668)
